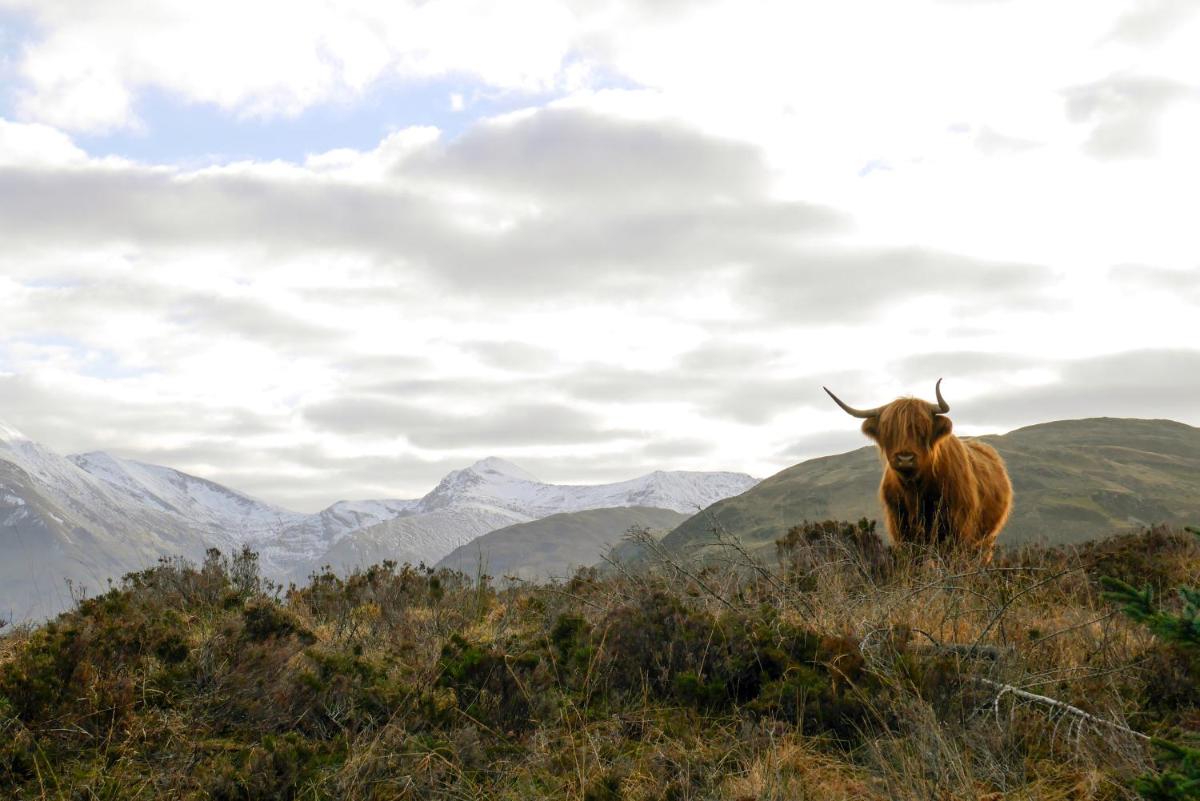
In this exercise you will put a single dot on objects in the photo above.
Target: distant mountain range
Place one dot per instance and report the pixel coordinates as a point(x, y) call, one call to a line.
point(91, 517)
point(1074, 480)
point(493, 494)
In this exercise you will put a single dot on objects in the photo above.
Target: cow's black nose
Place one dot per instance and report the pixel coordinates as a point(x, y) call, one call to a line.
point(905, 458)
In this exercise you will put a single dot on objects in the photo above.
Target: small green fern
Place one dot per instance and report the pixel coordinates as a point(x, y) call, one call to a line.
point(1180, 779)
point(1183, 628)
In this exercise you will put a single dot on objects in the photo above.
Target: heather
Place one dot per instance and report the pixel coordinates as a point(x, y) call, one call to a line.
point(838, 670)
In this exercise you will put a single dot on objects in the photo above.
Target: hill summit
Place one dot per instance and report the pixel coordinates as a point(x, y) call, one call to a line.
point(1074, 480)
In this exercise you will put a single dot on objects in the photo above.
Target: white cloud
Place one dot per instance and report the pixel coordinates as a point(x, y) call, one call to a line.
point(251, 286)
point(36, 145)
point(1149, 22)
point(662, 274)
point(275, 57)
point(1124, 112)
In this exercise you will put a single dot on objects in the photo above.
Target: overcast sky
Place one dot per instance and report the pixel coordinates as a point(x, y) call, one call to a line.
point(322, 250)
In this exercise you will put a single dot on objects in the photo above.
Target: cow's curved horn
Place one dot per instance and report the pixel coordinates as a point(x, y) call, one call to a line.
point(941, 407)
point(850, 410)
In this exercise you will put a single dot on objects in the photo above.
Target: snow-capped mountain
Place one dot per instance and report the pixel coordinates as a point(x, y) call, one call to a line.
point(493, 493)
point(287, 542)
point(92, 517)
point(58, 522)
point(203, 502)
point(495, 483)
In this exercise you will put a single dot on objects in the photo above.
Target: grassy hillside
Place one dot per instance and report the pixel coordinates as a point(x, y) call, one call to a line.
point(855, 677)
point(1073, 479)
point(554, 546)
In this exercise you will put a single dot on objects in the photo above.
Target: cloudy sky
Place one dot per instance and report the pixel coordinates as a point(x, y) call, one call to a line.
point(320, 250)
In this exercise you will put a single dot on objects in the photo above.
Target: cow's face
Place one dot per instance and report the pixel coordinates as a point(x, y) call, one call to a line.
point(907, 431)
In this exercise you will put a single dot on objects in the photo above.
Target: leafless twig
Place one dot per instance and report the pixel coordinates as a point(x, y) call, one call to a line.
point(1053, 703)
point(646, 540)
point(726, 540)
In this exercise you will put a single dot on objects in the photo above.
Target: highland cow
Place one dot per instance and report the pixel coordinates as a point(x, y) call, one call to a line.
point(937, 490)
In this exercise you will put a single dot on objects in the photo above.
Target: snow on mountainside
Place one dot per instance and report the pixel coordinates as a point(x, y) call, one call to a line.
point(297, 549)
point(94, 516)
point(351, 515)
point(58, 522)
point(285, 540)
point(88, 503)
point(197, 499)
point(495, 483)
point(8, 432)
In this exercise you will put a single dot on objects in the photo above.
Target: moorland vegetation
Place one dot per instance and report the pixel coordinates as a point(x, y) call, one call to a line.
point(841, 670)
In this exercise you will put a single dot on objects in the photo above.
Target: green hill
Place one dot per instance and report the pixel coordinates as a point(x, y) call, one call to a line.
point(554, 546)
point(1073, 479)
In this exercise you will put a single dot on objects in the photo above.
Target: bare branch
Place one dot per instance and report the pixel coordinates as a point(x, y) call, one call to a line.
point(1053, 703)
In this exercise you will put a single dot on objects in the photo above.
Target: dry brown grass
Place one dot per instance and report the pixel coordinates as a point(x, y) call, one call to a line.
point(842, 675)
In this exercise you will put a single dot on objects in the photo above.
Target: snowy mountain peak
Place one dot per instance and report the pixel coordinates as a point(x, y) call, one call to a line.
point(173, 491)
point(8, 433)
point(494, 465)
point(495, 484)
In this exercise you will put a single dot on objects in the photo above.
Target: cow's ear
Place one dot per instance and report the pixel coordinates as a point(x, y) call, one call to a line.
point(941, 427)
point(870, 427)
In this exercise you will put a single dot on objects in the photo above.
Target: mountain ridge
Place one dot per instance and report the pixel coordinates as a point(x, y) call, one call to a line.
point(552, 546)
point(1073, 480)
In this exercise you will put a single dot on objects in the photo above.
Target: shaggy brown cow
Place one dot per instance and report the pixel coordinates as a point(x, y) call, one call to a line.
point(937, 489)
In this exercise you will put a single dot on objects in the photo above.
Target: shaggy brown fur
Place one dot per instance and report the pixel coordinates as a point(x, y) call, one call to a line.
point(937, 490)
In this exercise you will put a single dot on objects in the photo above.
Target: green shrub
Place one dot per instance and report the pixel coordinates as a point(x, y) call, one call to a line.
point(279, 767)
point(1157, 557)
point(606, 787)
point(573, 652)
point(264, 619)
point(813, 544)
point(87, 658)
point(650, 641)
point(718, 663)
point(347, 690)
point(491, 685)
